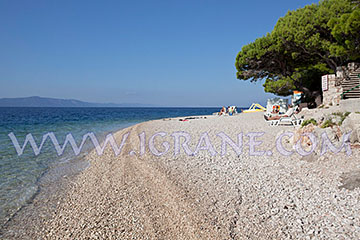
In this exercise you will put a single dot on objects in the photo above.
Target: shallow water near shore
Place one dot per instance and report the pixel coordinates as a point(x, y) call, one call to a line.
point(24, 177)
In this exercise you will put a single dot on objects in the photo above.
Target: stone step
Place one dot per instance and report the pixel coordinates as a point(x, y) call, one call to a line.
point(349, 86)
point(350, 83)
point(351, 96)
point(352, 92)
point(347, 95)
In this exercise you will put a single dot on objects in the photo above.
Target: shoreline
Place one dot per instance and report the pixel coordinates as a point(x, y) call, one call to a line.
point(51, 186)
point(45, 194)
point(200, 196)
point(60, 164)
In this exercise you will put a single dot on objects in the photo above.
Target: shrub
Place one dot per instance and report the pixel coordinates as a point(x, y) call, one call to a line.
point(343, 116)
point(309, 121)
point(328, 123)
point(337, 114)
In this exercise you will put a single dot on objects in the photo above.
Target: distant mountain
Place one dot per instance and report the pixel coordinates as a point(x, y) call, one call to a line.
point(54, 102)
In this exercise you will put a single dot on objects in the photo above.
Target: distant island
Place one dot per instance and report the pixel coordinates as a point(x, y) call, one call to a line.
point(36, 101)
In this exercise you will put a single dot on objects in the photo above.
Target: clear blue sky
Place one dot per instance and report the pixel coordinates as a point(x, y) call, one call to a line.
point(167, 53)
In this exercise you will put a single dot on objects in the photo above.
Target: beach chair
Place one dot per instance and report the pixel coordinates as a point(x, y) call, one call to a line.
point(292, 119)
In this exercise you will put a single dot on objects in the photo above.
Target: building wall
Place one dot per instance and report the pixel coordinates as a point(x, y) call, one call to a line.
point(332, 96)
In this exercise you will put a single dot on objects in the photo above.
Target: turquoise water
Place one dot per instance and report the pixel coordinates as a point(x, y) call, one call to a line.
point(19, 175)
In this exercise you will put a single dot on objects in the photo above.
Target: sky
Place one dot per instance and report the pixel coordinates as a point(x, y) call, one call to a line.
point(164, 53)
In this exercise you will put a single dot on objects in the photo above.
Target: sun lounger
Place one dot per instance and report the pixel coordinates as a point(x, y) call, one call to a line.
point(293, 120)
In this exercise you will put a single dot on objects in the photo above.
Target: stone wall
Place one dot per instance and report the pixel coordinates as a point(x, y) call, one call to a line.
point(332, 96)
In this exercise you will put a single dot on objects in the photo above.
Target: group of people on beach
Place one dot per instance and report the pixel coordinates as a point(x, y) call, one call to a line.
point(229, 110)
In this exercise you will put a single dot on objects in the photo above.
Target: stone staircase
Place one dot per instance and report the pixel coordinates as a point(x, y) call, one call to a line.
point(353, 80)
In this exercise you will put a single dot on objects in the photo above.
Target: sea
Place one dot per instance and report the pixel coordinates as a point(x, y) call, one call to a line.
point(22, 175)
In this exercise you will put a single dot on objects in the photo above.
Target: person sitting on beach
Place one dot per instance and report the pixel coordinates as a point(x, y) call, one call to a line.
point(222, 111)
point(231, 111)
point(234, 110)
point(291, 110)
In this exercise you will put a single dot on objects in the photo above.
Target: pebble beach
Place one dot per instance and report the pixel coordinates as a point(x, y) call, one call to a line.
point(226, 195)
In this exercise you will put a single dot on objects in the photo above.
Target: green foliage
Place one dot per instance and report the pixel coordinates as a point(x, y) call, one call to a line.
point(343, 116)
point(337, 114)
point(328, 123)
point(309, 121)
point(304, 44)
point(345, 30)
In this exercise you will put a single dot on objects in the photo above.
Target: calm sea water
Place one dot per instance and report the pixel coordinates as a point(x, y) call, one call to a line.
point(19, 175)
